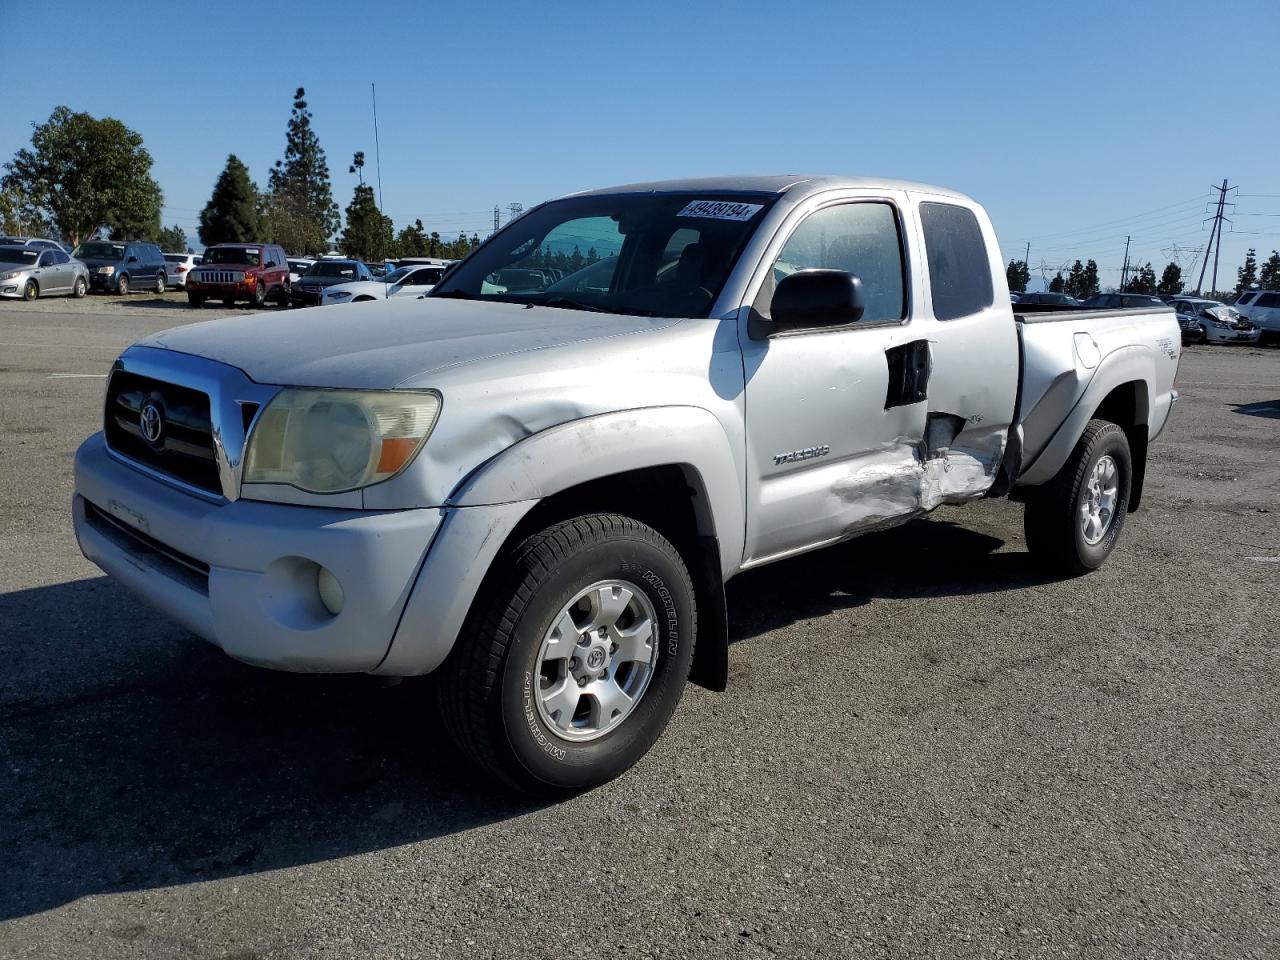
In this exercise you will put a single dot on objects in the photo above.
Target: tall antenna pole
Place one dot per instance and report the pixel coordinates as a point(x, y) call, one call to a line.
point(1124, 271)
point(1216, 231)
point(1218, 249)
point(377, 148)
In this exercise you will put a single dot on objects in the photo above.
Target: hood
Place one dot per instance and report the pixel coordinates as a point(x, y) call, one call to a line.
point(305, 281)
point(370, 346)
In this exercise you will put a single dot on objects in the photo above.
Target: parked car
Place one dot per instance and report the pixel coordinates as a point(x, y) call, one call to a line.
point(541, 494)
point(403, 281)
point(298, 267)
point(118, 266)
point(240, 272)
point(30, 272)
point(1221, 323)
point(326, 273)
point(180, 264)
point(1122, 301)
point(38, 242)
point(1047, 299)
point(379, 268)
point(1262, 309)
point(1191, 327)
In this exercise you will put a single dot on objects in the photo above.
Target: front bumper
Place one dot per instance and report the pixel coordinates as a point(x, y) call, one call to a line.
point(299, 297)
point(102, 281)
point(1219, 335)
point(242, 574)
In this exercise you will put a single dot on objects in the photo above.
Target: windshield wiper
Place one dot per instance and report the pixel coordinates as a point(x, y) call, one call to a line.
point(568, 304)
point(452, 295)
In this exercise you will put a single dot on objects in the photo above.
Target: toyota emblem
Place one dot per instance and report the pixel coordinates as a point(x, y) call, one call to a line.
point(151, 421)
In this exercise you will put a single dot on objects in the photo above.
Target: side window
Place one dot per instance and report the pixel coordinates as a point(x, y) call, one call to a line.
point(45, 259)
point(959, 268)
point(1271, 300)
point(59, 257)
point(858, 238)
point(1244, 298)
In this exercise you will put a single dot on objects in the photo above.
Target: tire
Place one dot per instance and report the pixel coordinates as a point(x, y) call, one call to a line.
point(195, 300)
point(30, 291)
point(160, 283)
point(491, 683)
point(229, 302)
point(1055, 521)
point(259, 297)
point(80, 289)
point(122, 285)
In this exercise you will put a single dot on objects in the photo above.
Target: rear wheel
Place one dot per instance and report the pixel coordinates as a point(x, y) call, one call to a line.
point(1073, 522)
point(30, 291)
point(574, 656)
point(80, 289)
point(122, 285)
point(160, 283)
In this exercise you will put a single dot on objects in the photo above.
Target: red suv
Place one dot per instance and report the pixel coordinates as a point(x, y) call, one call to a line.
point(231, 272)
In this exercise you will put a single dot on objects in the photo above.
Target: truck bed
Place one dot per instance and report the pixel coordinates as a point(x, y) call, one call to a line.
point(1073, 361)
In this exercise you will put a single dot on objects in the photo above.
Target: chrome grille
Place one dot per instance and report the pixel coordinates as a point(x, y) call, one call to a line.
point(218, 276)
point(184, 449)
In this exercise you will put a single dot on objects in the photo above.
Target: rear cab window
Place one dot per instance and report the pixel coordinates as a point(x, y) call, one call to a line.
point(959, 266)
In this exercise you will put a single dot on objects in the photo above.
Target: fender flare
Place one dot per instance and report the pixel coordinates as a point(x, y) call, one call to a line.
point(592, 448)
point(1125, 365)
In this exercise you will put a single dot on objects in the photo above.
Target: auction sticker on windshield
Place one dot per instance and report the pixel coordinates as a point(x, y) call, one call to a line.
point(720, 210)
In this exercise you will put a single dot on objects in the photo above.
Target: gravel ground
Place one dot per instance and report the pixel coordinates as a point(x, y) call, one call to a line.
point(927, 748)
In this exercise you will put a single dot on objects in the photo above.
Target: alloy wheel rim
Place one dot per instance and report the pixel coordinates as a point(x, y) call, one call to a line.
point(596, 660)
point(1098, 509)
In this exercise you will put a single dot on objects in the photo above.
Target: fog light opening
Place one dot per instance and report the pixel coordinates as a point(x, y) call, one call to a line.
point(330, 591)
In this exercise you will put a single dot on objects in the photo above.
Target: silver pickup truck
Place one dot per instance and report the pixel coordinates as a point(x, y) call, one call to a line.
point(538, 494)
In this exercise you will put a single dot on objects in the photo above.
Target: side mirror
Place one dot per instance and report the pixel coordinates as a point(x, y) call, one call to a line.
point(133, 259)
point(817, 298)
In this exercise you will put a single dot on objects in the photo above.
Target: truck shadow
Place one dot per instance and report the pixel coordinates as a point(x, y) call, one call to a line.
point(1266, 408)
point(133, 756)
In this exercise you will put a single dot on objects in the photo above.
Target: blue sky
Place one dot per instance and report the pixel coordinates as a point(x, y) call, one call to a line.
point(1073, 123)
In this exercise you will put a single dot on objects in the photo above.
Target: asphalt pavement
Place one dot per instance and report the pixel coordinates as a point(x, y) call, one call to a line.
point(928, 748)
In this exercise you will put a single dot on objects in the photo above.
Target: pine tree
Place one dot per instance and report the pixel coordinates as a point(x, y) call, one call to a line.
point(1269, 278)
point(1091, 286)
point(173, 239)
point(368, 232)
point(1075, 286)
point(1247, 276)
point(303, 213)
point(233, 213)
point(1142, 281)
point(1170, 280)
point(1058, 283)
point(413, 241)
point(1018, 275)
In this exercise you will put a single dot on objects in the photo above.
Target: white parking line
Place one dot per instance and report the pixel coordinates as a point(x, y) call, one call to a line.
point(76, 376)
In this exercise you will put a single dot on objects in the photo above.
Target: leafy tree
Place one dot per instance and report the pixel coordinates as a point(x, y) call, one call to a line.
point(1142, 281)
point(1170, 280)
point(173, 239)
point(413, 241)
point(368, 233)
point(233, 213)
point(303, 213)
point(1074, 284)
point(1018, 275)
point(1269, 278)
point(1247, 276)
point(82, 174)
point(1058, 283)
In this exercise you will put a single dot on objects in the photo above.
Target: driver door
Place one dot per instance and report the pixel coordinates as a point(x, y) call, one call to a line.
point(834, 416)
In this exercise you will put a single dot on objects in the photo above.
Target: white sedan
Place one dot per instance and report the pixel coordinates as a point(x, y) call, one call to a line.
point(408, 281)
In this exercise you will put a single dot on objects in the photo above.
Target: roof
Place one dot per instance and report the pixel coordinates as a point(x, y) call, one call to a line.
point(777, 183)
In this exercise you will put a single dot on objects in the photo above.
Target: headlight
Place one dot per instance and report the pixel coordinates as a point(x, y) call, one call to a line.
point(330, 441)
point(107, 270)
point(1221, 324)
point(12, 276)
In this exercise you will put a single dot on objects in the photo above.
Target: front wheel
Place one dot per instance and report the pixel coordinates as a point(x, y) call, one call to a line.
point(122, 285)
point(195, 300)
point(81, 288)
point(575, 655)
point(30, 291)
point(1073, 522)
point(259, 299)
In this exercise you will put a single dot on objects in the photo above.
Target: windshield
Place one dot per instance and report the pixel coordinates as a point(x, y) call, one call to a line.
point(18, 255)
point(334, 268)
point(395, 276)
point(237, 255)
point(100, 251)
point(660, 255)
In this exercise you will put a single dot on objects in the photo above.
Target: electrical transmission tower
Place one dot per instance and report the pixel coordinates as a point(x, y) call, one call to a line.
point(514, 209)
point(1219, 218)
point(497, 218)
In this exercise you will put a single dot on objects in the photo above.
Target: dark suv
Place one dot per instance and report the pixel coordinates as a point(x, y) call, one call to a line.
point(118, 266)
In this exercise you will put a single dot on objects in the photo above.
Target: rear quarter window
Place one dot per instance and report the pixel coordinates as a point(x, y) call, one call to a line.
point(1268, 300)
point(959, 267)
